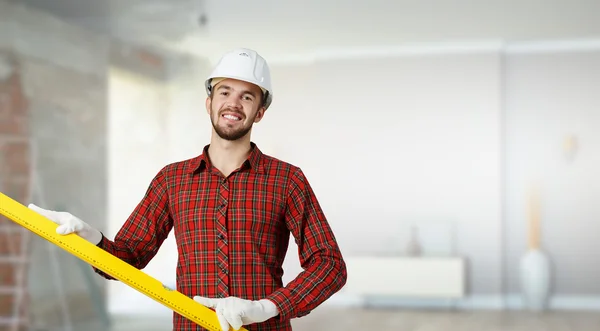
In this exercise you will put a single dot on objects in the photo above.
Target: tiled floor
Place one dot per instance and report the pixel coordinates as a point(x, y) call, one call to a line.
point(382, 320)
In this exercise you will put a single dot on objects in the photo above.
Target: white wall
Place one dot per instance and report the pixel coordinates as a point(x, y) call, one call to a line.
point(138, 147)
point(552, 95)
point(400, 139)
point(455, 138)
point(189, 126)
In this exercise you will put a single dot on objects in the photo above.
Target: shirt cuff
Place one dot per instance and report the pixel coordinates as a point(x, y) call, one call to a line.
point(283, 304)
point(102, 243)
point(286, 307)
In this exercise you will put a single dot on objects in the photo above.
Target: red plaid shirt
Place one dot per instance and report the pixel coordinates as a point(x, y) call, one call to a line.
point(232, 234)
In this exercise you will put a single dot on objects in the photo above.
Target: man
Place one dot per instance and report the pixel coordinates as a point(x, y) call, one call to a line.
point(233, 209)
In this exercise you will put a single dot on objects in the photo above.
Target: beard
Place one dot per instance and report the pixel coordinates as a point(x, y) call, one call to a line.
point(230, 134)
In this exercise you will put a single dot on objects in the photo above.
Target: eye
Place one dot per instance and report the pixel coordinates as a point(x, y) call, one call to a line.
point(248, 98)
point(224, 93)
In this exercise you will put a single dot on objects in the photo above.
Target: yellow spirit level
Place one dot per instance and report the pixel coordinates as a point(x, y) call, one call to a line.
point(110, 264)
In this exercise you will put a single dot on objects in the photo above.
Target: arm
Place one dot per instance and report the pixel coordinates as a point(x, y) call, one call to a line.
point(142, 234)
point(324, 268)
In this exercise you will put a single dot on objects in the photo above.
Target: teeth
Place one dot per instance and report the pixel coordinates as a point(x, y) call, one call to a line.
point(231, 117)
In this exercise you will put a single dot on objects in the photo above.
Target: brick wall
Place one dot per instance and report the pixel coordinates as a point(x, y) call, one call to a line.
point(14, 177)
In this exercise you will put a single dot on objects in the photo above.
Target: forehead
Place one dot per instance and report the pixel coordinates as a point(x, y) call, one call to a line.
point(237, 85)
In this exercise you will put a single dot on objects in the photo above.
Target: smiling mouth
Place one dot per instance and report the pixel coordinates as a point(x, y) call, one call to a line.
point(232, 117)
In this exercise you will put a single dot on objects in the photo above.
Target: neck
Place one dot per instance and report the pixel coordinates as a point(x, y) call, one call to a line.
point(226, 155)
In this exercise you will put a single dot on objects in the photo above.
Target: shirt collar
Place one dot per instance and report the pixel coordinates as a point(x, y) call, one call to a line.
point(202, 161)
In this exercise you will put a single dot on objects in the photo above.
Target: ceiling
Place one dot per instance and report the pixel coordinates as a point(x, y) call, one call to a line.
point(147, 21)
point(279, 28)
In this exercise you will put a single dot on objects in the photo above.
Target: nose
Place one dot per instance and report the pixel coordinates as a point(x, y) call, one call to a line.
point(234, 103)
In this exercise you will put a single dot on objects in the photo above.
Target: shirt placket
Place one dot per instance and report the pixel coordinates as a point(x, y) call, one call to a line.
point(222, 244)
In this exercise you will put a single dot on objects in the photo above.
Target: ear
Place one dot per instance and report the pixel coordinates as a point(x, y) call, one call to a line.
point(260, 114)
point(208, 104)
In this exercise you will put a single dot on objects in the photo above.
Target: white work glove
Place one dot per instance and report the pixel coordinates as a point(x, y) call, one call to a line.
point(69, 224)
point(238, 312)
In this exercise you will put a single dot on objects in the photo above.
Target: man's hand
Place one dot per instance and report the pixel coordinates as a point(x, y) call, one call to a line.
point(69, 224)
point(238, 312)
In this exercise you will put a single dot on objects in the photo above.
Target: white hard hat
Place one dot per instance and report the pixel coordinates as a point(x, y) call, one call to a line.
point(246, 65)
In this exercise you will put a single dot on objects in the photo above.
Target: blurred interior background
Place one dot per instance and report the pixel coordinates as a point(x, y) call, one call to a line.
point(454, 147)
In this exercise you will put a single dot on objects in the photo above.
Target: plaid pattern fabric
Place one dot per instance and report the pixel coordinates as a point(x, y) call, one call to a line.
point(233, 233)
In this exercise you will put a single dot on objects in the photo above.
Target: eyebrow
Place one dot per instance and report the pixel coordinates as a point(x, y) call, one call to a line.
point(227, 87)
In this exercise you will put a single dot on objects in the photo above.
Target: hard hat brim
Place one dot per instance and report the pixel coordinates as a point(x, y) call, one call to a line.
point(208, 84)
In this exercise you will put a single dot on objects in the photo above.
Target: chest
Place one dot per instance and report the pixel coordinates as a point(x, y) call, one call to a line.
point(244, 203)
